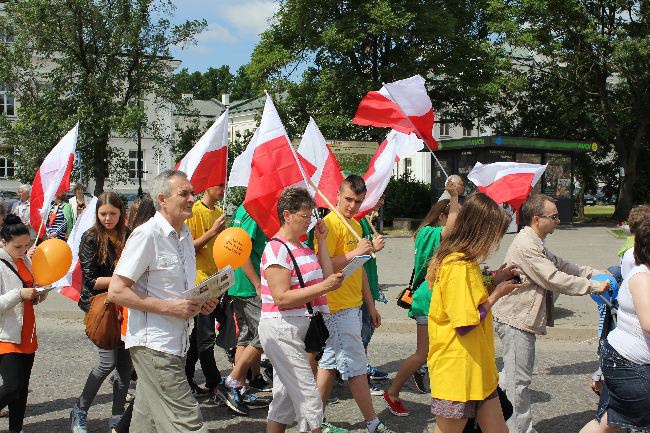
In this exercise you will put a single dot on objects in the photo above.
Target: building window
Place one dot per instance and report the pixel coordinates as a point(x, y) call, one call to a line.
point(467, 132)
point(6, 168)
point(407, 165)
point(7, 103)
point(444, 129)
point(133, 164)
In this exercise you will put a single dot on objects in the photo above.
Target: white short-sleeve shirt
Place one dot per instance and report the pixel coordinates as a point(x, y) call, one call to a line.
point(162, 264)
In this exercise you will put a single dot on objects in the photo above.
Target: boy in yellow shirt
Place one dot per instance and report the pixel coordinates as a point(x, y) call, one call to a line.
point(344, 350)
point(206, 223)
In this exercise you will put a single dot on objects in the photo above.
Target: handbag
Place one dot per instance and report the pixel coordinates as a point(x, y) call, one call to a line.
point(103, 323)
point(317, 333)
point(506, 407)
point(405, 297)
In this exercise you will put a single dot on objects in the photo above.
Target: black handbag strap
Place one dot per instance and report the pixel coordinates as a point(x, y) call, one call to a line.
point(411, 280)
point(14, 271)
point(297, 269)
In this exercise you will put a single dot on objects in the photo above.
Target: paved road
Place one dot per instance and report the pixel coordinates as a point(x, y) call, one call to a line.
point(565, 358)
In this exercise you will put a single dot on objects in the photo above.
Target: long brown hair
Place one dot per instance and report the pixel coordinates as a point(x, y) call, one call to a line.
point(478, 230)
point(433, 217)
point(100, 231)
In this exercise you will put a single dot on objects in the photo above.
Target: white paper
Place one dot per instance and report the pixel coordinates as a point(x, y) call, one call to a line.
point(354, 264)
point(212, 287)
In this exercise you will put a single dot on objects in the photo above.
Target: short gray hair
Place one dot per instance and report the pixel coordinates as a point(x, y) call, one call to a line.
point(456, 179)
point(161, 185)
point(78, 186)
point(26, 187)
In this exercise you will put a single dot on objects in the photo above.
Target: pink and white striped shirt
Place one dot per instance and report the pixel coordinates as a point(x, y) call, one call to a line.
point(276, 254)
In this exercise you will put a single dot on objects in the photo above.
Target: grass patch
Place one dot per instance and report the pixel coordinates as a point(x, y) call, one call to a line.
point(390, 231)
point(599, 211)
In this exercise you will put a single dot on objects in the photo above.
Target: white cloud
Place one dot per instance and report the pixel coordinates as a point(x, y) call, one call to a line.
point(216, 33)
point(249, 16)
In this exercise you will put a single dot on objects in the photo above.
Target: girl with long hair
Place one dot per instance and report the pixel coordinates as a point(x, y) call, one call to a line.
point(99, 251)
point(18, 342)
point(435, 227)
point(462, 369)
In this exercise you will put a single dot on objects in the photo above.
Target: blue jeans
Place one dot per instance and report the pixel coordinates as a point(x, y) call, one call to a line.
point(626, 391)
point(344, 349)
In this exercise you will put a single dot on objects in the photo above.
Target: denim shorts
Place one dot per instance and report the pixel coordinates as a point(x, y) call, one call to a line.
point(421, 320)
point(344, 349)
point(626, 390)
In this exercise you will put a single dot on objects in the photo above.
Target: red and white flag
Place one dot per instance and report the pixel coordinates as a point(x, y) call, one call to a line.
point(506, 182)
point(403, 105)
point(394, 148)
point(328, 177)
point(52, 178)
point(206, 163)
point(70, 285)
point(274, 166)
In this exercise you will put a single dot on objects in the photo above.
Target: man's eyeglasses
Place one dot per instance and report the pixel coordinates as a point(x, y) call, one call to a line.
point(554, 217)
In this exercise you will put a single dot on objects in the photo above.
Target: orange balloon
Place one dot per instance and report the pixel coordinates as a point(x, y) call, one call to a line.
point(51, 261)
point(232, 247)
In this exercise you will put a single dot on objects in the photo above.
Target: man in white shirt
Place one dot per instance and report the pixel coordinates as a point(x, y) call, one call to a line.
point(157, 264)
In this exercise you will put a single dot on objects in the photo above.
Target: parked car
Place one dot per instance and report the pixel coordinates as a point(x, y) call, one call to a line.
point(589, 200)
point(9, 198)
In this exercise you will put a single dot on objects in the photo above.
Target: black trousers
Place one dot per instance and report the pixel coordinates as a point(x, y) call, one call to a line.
point(202, 349)
point(15, 369)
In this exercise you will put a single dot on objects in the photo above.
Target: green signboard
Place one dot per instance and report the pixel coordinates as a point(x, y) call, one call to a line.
point(517, 143)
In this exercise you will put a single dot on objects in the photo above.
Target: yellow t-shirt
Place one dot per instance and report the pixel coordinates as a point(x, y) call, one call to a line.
point(461, 368)
point(339, 242)
point(201, 221)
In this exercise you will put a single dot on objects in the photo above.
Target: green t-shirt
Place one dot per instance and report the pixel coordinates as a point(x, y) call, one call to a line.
point(243, 287)
point(371, 265)
point(427, 242)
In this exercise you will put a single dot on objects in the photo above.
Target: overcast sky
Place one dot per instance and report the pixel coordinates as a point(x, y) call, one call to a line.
point(233, 30)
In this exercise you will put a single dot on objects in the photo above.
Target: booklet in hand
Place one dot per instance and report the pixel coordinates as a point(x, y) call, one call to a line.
point(212, 287)
point(45, 289)
point(354, 264)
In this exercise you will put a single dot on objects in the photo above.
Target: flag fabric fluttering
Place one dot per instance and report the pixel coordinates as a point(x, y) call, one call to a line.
point(206, 163)
point(506, 182)
point(52, 178)
point(274, 166)
point(403, 105)
point(328, 176)
point(394, 148)
point(70, 285)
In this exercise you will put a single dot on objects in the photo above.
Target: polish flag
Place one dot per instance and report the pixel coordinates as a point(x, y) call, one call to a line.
point(506, 182)
point(402, 105)
point(52, 178)
point(328, 177)
point(70, 285)
point(394, 148)
point(206, 163)
point(274, 166)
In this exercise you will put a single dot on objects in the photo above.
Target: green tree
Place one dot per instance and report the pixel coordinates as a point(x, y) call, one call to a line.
point(92, 61)
point(214, 82)
point(341, 50)
point(595, 55)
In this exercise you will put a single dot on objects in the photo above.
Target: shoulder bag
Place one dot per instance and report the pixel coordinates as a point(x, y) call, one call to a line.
point(103, 323)
point(405, 297)
point(317, 333)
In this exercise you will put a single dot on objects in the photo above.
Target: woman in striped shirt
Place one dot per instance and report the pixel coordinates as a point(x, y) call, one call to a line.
point(59, 219)
point(285, 319)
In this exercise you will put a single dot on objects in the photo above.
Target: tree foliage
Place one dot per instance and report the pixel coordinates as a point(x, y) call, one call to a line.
point(214, 82)
point(582, 72)
point(92, 61)
point(344, 49)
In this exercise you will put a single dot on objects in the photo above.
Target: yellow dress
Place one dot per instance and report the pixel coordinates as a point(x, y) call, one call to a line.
point(461, 368)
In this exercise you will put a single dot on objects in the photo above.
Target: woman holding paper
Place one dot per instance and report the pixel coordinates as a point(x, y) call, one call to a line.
point(285, 319)
point(18, 341)
point(99, 251)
